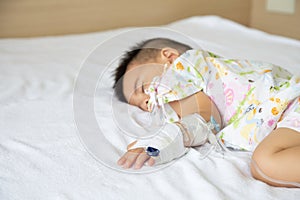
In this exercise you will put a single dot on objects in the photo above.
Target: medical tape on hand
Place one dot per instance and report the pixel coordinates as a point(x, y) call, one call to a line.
point(169, 142)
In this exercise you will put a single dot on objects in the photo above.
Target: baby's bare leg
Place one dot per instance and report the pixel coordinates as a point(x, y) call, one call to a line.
point(277, 156)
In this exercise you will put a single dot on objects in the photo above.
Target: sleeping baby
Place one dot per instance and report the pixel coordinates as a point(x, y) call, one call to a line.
point(200, 97)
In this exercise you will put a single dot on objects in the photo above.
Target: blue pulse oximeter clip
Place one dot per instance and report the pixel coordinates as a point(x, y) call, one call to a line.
point(151, 151)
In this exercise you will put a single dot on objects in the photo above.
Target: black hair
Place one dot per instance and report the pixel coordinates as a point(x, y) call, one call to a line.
point(121, 69)
point(141, 53)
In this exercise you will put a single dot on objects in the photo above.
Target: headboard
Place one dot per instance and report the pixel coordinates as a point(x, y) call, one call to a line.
point(30, 18)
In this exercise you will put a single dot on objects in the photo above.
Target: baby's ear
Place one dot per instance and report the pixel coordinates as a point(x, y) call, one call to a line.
point(169, 54)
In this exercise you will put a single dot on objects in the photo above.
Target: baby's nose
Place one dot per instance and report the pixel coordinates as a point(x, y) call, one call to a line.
point(144, 105)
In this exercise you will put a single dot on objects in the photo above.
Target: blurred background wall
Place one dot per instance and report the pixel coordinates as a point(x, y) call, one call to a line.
point(275, 21)
point(55, 17)
point(29, 18)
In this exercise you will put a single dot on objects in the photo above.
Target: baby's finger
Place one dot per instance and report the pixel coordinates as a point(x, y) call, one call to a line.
point(122, 160)
point(131, 157)
point(151, 161)
point(141, 159)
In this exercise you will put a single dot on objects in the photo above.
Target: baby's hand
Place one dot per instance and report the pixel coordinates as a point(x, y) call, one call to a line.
point(135, 156)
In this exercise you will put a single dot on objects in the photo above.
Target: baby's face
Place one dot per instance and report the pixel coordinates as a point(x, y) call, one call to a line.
point(137, 79)
point(139, 76)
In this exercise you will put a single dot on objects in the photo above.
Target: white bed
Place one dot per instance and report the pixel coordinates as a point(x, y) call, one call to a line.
point(42, 156)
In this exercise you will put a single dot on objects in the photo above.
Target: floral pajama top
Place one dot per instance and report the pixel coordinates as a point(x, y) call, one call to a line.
point(252, 97)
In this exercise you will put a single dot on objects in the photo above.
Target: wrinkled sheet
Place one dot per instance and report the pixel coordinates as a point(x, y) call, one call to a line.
point(42, 156)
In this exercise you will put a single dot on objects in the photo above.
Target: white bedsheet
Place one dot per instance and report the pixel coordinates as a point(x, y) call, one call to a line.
point(41, 156)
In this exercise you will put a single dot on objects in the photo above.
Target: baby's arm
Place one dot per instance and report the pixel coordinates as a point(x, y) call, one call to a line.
point(197, 103)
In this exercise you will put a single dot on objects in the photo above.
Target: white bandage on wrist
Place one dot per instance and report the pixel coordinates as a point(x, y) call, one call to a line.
point(169, 142)
point(196, 131)
point(172, 140)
